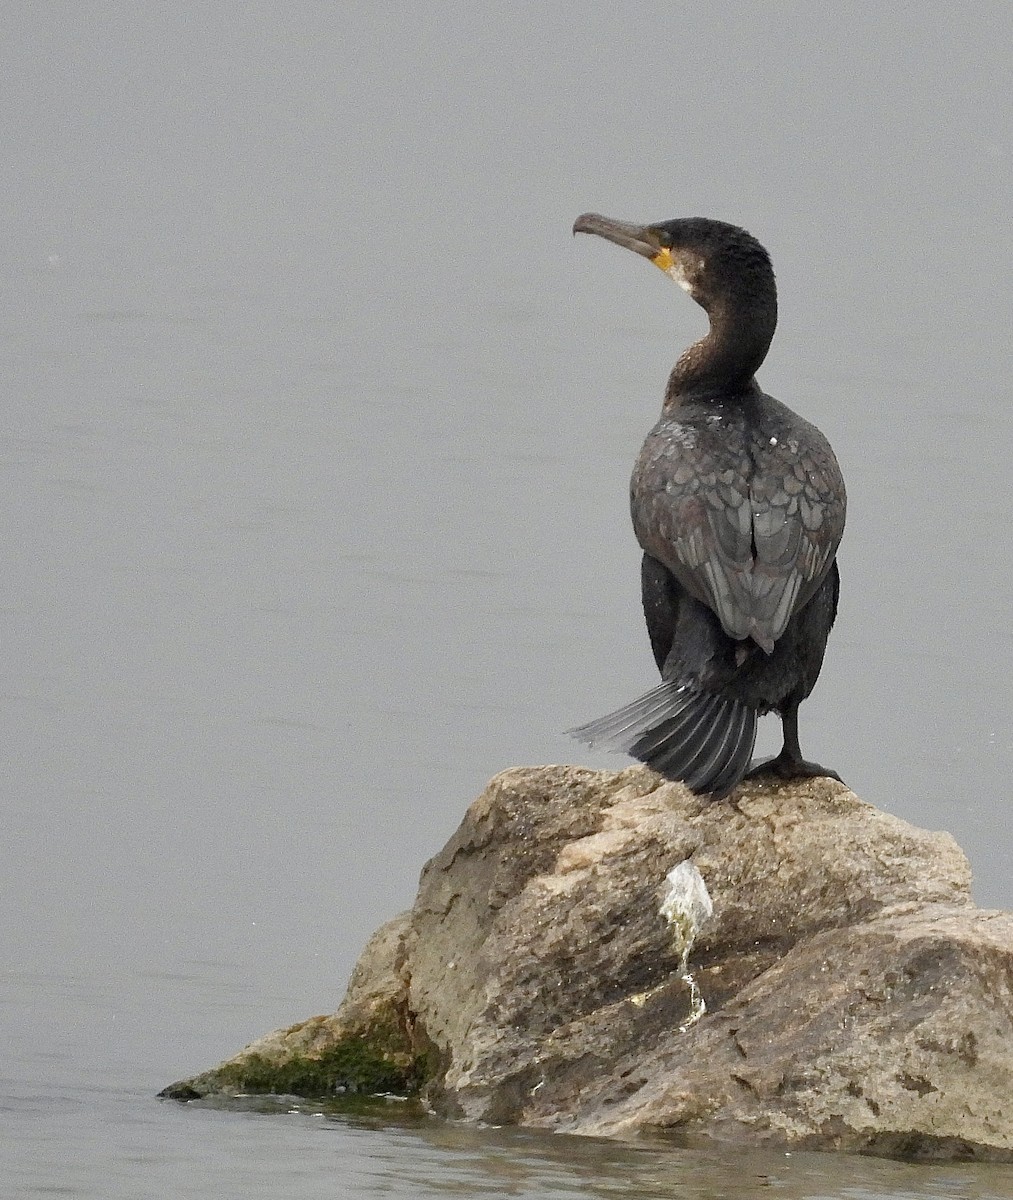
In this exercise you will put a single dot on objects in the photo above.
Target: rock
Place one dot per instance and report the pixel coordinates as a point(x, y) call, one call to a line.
point(854, 996)
point(364, 1048)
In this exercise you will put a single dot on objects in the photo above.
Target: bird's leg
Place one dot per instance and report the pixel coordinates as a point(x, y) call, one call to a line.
point(790, 764)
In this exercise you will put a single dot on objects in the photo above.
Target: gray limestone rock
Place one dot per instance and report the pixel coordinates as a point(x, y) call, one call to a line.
point(845, 992)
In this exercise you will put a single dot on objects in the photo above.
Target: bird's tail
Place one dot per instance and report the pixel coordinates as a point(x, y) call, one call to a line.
point(704, 740)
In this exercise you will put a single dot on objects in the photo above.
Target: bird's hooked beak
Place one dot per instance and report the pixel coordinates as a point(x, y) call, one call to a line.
point(641, 238)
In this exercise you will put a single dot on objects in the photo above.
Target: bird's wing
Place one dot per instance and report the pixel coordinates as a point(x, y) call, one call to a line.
point(750, 530)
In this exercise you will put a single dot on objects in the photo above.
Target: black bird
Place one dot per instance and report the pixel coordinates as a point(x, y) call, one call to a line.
point(738, 504)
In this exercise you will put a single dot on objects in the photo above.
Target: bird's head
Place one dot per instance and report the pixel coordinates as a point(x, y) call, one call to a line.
point(712, 260)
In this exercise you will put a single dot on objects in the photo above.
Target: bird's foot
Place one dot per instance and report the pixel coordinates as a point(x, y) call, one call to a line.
point(787, 766)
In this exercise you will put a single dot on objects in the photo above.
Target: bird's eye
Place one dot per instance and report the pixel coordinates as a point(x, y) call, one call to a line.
point(663, 237)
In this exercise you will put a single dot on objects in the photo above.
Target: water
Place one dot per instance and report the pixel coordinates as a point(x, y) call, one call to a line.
point(319, 432)
point(80, 1121)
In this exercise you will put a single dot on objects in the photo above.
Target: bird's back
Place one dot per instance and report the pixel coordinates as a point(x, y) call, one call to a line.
point(743, 501)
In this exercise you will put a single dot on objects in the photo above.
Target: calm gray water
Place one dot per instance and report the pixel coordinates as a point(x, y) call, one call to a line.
point(318, 439)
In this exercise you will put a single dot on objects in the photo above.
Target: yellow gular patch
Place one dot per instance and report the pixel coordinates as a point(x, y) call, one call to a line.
point(664, 260)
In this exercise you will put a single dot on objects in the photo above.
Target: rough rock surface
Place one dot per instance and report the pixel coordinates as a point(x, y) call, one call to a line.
point(855, 997)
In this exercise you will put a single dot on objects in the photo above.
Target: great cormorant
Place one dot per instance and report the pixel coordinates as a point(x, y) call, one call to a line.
point(738, 504)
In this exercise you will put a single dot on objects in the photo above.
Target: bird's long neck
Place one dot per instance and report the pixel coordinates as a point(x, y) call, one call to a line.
point(726, 360)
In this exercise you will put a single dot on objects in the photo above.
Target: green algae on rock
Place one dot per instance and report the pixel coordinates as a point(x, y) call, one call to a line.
point(356, 1064)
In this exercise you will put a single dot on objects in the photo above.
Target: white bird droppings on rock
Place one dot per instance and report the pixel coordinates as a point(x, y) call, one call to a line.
point(687, 907)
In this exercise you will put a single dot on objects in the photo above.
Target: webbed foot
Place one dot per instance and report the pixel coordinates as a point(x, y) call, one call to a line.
point(787, 766)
